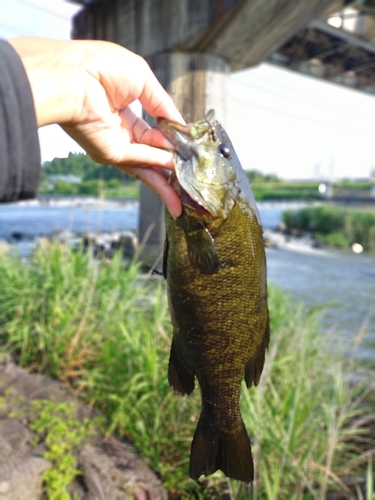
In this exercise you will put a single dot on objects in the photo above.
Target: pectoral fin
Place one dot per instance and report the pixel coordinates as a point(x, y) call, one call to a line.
point(202, 251)
point(200, 245)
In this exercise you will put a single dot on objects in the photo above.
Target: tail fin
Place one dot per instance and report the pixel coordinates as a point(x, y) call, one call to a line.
point(228, 450)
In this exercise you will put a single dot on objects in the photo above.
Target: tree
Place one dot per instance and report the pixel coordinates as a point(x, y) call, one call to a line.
point(63, 187)
point(90, 187)
point(81, 165)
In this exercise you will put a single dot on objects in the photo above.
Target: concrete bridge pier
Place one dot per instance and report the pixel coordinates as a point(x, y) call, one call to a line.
point(197, 82)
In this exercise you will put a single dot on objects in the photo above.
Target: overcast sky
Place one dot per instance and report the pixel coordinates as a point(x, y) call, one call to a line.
point(280, 122)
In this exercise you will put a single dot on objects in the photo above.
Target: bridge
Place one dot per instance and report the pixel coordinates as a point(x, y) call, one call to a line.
point(192, 45)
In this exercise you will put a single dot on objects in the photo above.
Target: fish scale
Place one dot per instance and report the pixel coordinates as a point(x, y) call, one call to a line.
point(215, 268)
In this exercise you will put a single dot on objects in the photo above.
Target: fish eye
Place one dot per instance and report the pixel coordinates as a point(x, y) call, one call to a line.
point(225, 151)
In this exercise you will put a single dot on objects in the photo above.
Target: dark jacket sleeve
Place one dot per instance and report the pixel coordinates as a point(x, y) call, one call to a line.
point(19, 143)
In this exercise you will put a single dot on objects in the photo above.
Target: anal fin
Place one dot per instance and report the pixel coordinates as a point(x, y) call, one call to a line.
point(254, 367)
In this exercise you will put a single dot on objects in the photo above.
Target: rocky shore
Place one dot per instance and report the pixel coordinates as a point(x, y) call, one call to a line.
point(108, 468)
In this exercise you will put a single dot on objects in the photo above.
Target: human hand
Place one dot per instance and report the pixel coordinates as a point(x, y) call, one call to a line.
point(86, 87)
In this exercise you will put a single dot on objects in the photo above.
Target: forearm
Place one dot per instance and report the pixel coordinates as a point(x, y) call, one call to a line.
point(19, 145)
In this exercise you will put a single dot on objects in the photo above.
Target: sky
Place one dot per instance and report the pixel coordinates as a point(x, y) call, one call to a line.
point(280, 122)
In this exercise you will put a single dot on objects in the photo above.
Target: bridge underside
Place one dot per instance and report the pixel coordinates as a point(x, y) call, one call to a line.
point(332, 54)
point(294, 34)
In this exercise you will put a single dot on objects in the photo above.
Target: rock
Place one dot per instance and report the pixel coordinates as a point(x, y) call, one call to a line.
point(269, 242)
point(129, 244)
point(272, 239)
point(21, 473)
point(110, 462)
point(296, 233)
point(105, 245)
point(281, 228)
point(19, 236)
point(317, 244)
point(110, 467)
point(44, 242)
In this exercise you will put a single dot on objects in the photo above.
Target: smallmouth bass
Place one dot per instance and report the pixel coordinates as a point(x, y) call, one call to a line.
point(215, 267)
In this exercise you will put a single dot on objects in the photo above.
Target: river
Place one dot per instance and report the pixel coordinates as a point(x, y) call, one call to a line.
point(342, 279)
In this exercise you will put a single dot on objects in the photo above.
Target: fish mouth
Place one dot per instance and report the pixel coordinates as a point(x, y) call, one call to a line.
point(179, 136)
point(179, 133)
point(165, 125)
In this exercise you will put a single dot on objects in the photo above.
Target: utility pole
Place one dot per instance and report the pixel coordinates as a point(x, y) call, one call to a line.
point(197, 82)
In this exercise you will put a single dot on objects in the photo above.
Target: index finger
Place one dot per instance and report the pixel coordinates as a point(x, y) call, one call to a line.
point(156, 100)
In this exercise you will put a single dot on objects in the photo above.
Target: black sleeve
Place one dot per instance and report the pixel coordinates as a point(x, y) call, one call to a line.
point(19, 143)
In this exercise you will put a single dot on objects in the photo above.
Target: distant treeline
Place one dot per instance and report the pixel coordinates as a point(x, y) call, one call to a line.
point(256, 176)
point(95, 179)
point(271, 187)
point(81, 165)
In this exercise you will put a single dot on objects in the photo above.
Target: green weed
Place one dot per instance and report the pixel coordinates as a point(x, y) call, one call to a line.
point(61, 433)
point(336, 239)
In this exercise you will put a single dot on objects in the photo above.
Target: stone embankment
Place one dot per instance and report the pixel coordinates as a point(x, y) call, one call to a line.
point(102, 245)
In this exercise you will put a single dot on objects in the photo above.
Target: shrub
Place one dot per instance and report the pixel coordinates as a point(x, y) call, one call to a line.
point(353, 225)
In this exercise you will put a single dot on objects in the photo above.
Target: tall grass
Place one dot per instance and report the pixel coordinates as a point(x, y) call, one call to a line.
point(104, 331)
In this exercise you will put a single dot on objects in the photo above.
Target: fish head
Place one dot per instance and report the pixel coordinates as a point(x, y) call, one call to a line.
point(203, 166)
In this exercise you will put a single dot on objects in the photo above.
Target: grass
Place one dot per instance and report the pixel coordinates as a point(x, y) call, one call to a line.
point(53, 423)
point(105, 332)
point(334, 225)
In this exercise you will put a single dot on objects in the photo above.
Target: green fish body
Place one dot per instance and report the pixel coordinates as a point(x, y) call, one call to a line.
point(215, 268)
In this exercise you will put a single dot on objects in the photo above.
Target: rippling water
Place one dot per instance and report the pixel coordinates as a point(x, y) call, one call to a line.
point(344, 280)
point(315, 276)
point(318, 277)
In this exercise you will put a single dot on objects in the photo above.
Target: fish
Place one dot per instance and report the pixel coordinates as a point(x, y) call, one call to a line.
point(215, 267)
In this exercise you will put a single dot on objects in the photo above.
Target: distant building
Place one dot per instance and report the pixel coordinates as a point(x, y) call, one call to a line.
point(71, 179)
